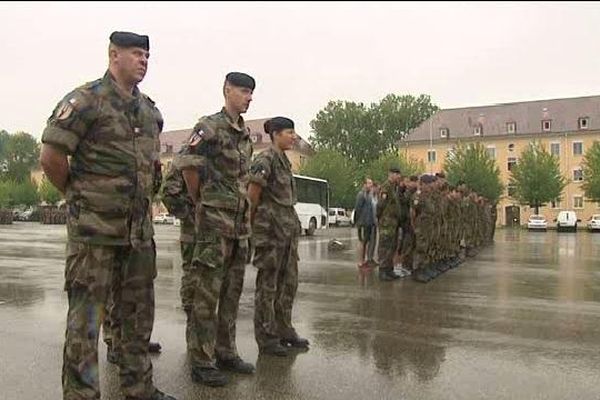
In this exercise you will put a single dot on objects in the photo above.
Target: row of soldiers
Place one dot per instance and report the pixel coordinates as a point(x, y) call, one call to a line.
point(429, 225)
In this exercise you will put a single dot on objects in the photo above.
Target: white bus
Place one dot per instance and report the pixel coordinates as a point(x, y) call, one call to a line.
point(313, 203)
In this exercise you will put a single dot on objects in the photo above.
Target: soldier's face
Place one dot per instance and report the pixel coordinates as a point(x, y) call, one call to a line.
point(285, 139)
point(238, 98)
point(132, 63)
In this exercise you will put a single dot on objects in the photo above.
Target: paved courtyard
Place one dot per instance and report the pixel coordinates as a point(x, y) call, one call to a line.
point(520, 321)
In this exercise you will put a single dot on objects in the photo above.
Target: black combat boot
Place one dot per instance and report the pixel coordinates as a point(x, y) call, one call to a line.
point(274, 349)
point(209, 376)
point(154, 347)
point(236, 365)
point(297, 342)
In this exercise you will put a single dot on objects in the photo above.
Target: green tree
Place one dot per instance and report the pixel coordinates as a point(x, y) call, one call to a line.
point(472, 165)
point(591, 172)
point(7, 189)
point(362, 133)
point(536, 178)
point(48, 192)
point(396, 115)
point(339, 171)
point(21, 154)
point(25, 193)
point(378, 169)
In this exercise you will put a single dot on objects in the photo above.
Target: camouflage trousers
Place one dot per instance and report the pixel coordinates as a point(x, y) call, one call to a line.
point(407, 246)
point(217, 276)
point(276, 286)
point(388, 246)
point(187, 287)
point(92, 273)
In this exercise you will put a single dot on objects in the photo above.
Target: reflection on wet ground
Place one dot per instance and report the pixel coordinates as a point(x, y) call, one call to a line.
point(521, 321)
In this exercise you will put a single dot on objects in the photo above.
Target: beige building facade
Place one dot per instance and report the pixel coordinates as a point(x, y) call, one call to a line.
point(566, 127)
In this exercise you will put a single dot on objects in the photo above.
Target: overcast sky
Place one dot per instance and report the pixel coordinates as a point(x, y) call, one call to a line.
point(301, 54)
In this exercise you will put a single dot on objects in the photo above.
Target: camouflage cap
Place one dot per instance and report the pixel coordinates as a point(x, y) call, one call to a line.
point(130, 39)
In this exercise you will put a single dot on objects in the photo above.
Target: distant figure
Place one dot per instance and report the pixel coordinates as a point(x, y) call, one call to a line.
point(365, 222)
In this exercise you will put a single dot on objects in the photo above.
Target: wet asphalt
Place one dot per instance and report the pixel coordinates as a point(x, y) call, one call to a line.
point(519, 321)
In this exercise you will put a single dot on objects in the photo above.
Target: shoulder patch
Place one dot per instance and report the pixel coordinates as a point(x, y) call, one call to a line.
point(196, 138)
point(66, 109)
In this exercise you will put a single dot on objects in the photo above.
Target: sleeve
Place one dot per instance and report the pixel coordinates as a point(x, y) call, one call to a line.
point(261, 169)
point(70, 121)
point(360, 201)
point(202, 144)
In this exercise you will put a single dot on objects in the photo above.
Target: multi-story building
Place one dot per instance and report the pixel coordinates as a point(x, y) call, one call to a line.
point(566, 127)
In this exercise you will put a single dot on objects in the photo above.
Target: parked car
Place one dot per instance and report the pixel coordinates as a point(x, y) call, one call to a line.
point(537, 222)
point(338, 217)
point(567, 221)
point(164, 218)
point(594, 224)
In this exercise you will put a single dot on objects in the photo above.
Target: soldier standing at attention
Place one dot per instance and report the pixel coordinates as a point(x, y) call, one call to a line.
point(177, 200)
point(389, 216)
point(215, 168)
point(111, 131)
point(275, 232)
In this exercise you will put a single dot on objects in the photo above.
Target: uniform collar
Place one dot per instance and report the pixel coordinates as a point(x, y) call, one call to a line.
point(128, 99)
point(241, 123)
point(281, 154)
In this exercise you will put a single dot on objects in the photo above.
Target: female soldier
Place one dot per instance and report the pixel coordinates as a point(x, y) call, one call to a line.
point(275, 231)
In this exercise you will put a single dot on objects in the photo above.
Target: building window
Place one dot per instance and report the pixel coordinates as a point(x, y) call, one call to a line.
point(444, 132)
point(583, 122)
point(555, 204)
point(511, 190)
point(511, 162)
point(451, 152)
point(555, 149)
point(431, 156)
point(577, 201)
point(511, 127)
point(577, 148)
point(478, 130)
point(546, 125)
point(511, 147)
point(577, 175)
point(169, 148)
point(491, 151)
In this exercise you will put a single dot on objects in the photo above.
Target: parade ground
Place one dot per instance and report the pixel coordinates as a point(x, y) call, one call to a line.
point(519, 321)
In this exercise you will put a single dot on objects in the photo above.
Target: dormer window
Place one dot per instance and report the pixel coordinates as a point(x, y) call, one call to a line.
point(546, 125)
point(583, 122)
point(478, 130)
point(443, 132)
point(511, 127)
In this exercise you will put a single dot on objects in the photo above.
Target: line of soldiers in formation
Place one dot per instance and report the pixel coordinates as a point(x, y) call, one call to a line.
point(429, 226)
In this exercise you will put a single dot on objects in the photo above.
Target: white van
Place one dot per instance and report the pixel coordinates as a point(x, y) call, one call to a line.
point(566, 221)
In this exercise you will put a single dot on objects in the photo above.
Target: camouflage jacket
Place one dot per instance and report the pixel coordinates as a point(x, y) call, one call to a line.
point(114, 169)
point(175, 197)
point(275, 220)
point(221, 152)
point(389, 207)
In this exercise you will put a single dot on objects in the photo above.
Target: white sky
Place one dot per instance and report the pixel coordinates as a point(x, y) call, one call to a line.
point(301, 54)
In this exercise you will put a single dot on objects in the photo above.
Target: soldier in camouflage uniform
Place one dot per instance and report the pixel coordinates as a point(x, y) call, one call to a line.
point(177, 200)
point(215, 167)
point(111, 132)
point(275, 232)
point(389, 216)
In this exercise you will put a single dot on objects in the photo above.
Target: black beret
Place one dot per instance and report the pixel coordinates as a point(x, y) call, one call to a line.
point(277, 124)
point(130, 39)
point(395, 169)
point(240, 79)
